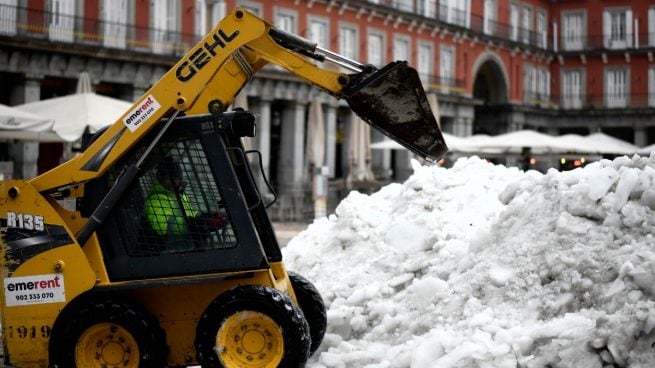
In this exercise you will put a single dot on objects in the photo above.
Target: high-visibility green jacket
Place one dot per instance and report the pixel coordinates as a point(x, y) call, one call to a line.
point(167, 212)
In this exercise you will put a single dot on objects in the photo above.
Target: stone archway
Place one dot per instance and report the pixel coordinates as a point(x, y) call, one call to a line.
point(491, 90)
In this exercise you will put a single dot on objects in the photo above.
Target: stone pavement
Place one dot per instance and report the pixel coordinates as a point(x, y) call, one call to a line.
point(285, 231)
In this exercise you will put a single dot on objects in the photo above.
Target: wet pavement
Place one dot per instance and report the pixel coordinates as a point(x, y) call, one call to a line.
point(285, 231)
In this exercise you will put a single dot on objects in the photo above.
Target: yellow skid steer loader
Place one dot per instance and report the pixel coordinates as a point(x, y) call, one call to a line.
point(169, 257)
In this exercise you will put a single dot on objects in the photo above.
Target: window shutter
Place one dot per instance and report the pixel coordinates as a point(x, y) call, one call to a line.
point(651, 87)
point(651, 27)
point(607, 27)
point(8, 15)
point(201, 18)
point(628, 28)
point(609, 88)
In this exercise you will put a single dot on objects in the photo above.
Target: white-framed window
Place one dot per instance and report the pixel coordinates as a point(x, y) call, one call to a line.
point(404, 5)
point(318, 31)
point(114, 21)
point(348, 41)
point(572, 88)
point(616, 87)
point(526, 24)
point(573, 30)
point(253, 7)
point(285, 20)
point(651, 86)
point(424, 62)
point(446, 67)
point(427, 8)
point(200, 18)
point(401, 48)
point(8, 14)
point(489, 20)
point(514, 16)
point(651, 27)
point(456, 12)
point(617, 28)
point(376, 47)
point(530, 81)
point(165, 22)
point(542, 32)
point(218, 12)
point(61, 24)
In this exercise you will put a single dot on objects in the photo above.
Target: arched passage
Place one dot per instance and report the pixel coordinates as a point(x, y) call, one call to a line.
point(490, 88)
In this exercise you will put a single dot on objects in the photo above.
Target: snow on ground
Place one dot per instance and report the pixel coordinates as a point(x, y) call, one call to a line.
point(487, 266)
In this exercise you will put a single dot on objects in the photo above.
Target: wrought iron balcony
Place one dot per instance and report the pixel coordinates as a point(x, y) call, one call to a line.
point(573, 101)
point(21, 23)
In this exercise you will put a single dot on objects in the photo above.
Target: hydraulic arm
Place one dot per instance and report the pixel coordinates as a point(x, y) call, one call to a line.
point(208, 78)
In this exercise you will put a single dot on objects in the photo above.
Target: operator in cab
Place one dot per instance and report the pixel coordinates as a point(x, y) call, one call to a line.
point(170, 213)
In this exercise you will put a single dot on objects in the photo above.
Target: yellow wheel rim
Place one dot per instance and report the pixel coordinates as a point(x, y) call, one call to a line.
point(107, 345)
point(250, 340)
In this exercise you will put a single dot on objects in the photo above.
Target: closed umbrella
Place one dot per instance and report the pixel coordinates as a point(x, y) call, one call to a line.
point(359, 151)
point(316, 134)
point(315, 147)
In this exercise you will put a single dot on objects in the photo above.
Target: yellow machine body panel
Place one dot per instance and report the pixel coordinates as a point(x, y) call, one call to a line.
point(36, 286)
point(179, 303)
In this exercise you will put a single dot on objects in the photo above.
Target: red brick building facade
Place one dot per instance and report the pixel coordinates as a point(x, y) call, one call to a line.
point(495, 65)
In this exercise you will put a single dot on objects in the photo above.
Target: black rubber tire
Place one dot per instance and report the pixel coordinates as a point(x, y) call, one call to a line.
point(143, 327)
point(256, 298)
point(312, 305)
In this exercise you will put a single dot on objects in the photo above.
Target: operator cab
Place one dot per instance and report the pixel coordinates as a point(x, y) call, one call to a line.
point(192, 209)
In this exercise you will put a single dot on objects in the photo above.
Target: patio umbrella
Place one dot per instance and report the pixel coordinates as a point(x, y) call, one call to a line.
point(647, 150)
point(74, 114)
point(516, 141)
point(21, 125)
point(359, 151)
point(454, 143)
point(608, 144)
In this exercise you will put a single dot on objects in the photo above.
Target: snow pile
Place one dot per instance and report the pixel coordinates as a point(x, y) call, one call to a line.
point(487, 266)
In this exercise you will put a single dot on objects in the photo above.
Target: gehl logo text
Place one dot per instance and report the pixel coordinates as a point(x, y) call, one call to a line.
point(202, 55)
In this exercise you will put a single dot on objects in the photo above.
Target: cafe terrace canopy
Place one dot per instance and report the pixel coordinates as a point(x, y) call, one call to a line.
point(74, 114)
point(539, 143)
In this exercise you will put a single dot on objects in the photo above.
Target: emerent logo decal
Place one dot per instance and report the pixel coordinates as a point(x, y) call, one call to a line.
point(40, 289)
point(141, 113)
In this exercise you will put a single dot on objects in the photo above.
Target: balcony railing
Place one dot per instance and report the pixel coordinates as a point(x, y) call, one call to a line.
point(440, 84)
point(641, 40)
point(603, 100)
point(31, 23)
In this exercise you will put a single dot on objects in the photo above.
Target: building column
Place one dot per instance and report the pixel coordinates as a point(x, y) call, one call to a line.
point(25, 154)
point(640, 136)
point(330, 113)
point(292, 150)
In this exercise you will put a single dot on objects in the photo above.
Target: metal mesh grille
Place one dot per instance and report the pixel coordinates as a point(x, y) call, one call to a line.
point(175, 204)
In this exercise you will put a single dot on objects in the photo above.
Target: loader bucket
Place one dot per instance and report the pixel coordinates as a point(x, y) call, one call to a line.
point(392, 100)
